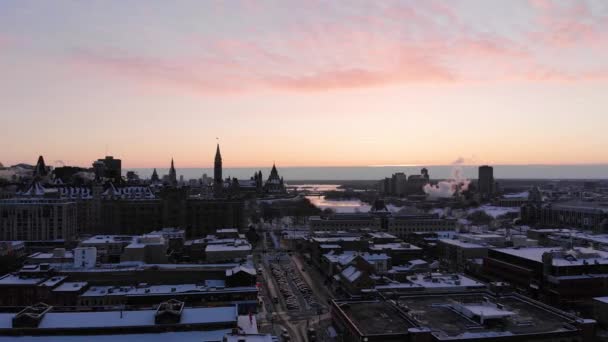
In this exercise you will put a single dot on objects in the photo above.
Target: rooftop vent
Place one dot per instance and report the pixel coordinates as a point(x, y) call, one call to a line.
point(31, 316)
point(169, 312)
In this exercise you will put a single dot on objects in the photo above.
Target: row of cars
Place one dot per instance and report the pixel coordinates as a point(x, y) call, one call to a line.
point(301, 285)
point(291, 300)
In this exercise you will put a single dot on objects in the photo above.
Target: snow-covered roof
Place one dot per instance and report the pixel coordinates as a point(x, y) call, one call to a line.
point(523, 195)
point(97, 239)
point(71, 286)
point(148, 290)
point(396, 246)
point(574, 257)
point(228, 247)
point(105, 319)
point(50, 255)
point(182, 336)
point(12, 279)
point(441, 280)
point(240, 268)
point(495, 211)
point(461, 244)
point(329, 246)
point(53, 281)
point(351, 273)
point(128, 192)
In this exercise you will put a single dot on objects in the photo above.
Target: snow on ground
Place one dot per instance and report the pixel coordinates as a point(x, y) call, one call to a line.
point(495, 211)
point(281, 199)
point(524, 194)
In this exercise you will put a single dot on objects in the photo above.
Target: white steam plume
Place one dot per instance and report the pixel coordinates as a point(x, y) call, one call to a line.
point(449, 187)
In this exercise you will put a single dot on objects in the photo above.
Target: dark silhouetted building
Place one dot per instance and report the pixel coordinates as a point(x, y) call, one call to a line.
point(485, 182)
point(108, 168)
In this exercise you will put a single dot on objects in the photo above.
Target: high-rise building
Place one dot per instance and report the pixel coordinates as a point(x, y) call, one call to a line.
point(218, 182)
point(485, 181)
point(109, 168)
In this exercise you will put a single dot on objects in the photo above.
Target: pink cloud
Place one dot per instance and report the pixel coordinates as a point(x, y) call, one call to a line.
point(562, 24)
point(389, 45)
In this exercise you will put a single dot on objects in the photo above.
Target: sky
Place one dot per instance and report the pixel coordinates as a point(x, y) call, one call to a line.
point(304, 83)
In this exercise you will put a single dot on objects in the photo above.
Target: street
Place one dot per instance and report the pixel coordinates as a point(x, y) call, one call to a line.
point(293, 300)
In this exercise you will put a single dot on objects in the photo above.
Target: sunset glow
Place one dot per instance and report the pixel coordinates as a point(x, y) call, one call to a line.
point(304, 83)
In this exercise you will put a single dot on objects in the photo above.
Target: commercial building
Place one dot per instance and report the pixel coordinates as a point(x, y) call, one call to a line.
point(37, 219)
point(467, 316)
point(42, 320)
point(456, 253)
point(404, 225)
point(564, 277)
point(485, 316)
point(589, 215)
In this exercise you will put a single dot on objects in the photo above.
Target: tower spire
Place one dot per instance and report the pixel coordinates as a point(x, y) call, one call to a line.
point(172, 174)
point(218, 182)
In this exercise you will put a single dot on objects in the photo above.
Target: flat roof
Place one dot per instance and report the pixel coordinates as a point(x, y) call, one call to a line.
point(212, 287)
point(70, 286)
point(52, 282)
point(438, 313)
point(226, 248)
point(97, 239)
point(375, 317)
point(588, 255)
point(461, 244)
point(11, 279)
point(182, 336)
point(109, 319)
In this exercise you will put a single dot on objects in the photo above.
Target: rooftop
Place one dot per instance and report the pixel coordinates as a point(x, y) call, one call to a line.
point(150, 290)
point(582, 205)
point(182, 336)
point(12, 279)
point(111, 319)
point(450, 316)
point(574, 257)
point(375, 317)
point(70, 286)
point(461, 244)
point(395, 246)
point(52, 282)
point(97, 239)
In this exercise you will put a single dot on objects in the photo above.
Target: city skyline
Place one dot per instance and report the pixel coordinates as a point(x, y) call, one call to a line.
point(305, 83)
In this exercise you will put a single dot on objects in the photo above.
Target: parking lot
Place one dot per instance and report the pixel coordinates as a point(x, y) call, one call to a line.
point(296, 293)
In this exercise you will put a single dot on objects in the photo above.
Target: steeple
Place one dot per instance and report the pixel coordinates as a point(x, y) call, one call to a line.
point(218, 182)
point(40, 169)
point(274, 171)
point(154, 177)
point(172, 174)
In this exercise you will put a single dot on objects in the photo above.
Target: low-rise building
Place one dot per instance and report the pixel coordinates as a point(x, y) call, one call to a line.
point(399, 252)
point(456, 253)
point(149, 249)
point(234, 250)
point(109, 247)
